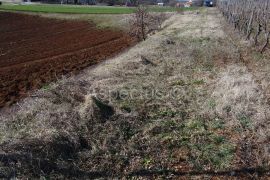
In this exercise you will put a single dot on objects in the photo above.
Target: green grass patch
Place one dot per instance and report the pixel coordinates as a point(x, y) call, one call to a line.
point(76, 9)
point(245, 121)
point(193, 82)
point(70, 9)
point(46, 87)
point(201, 139)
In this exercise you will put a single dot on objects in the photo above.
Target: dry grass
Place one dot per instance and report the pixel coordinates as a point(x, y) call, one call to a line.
point(194, 111)
point(112, 21)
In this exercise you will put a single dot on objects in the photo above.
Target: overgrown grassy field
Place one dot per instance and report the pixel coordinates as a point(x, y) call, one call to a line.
point(74, 9)
point(190, 102)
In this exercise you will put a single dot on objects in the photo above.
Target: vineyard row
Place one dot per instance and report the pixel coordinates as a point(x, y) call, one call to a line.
point(250, 17)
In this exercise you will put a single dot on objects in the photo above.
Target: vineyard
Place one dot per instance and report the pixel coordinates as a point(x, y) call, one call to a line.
point(251, 18)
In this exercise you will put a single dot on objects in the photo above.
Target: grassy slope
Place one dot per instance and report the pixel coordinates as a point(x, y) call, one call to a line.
point(47, 8)
point(216, 123)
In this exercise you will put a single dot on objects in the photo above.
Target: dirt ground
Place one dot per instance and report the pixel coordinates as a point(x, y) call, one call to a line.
point(41, 50)
point(190, 102)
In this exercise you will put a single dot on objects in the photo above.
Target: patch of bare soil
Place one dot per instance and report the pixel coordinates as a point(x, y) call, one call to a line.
point(42, 50)
point(180, 105)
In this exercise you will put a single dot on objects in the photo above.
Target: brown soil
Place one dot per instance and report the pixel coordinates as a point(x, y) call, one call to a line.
point(35, 51)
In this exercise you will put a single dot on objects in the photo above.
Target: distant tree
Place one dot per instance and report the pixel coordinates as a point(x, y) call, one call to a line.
point(143, 23)
point(134, 2)
point(140, 22)
point(112, 2)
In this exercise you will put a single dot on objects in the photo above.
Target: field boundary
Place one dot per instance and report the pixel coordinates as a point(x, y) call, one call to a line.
point(75, 9)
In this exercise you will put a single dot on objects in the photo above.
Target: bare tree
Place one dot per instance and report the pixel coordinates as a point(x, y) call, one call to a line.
point(143, 23)
point(140, 22)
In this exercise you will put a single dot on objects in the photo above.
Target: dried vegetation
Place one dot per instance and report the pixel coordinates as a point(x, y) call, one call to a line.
point(171, 106)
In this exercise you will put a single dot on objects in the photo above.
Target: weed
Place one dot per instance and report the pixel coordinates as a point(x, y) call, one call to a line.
point(126, 130)
point(218, 124)
point(198, 54)
point(198, 82)
point(170, 123)
point(201, 40)
point(179, 83)
point(167, 113)
point(147, 161)
point(257, 56)
point(183, 83)
point(208, 66)
point(126, 106)
point(212, 103)
point(218, 139)
point(245, 121)
point(46, 87)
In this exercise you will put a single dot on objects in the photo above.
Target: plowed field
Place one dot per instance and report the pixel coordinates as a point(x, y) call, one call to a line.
point(35, 51)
